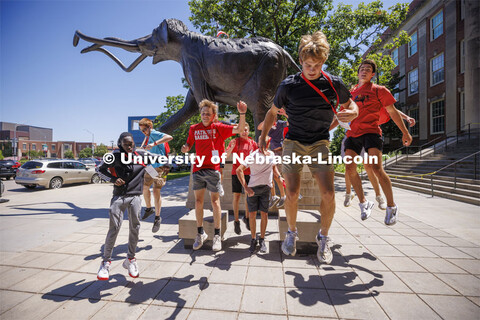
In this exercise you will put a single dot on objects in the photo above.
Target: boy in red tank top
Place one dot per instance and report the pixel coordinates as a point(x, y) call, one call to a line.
point(372, 100)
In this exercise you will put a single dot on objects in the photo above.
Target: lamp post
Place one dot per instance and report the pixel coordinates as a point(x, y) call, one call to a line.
point(93, 139)
point(15, 142)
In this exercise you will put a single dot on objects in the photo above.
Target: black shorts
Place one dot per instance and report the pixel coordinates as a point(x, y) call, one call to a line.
point(236, 185)
point(367, 141)
point(260, 200)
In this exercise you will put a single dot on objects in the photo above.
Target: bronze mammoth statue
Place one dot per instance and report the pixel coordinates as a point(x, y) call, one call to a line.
point(221, 70)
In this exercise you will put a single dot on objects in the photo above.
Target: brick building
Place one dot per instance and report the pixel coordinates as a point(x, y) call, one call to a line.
point(441, 67)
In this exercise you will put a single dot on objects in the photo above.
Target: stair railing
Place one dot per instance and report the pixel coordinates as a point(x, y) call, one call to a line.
point(454, 164)
point(434, 142)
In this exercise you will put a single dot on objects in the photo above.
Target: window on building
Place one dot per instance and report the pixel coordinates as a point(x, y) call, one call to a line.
point(413, 82)
point(396, 95)
point(395, 56)
point(53, 147)
point(462, 56)
point(67, 147)
point(413, 113)
point(34, 146)
point(412, 45)
point(24, 146)
point(438, 116)
point(437, 69)
point(135, 125)
point(436, 26)
point(462, 9)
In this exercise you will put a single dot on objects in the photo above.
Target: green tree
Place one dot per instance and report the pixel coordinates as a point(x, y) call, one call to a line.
point(1, 155)
point(336, 144)
point(349, 30)
point(100, 150)
point(69, 154)
point(85, 153)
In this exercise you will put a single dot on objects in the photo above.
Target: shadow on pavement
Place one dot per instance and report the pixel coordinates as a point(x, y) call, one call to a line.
point(119, 251)
point(167, 290)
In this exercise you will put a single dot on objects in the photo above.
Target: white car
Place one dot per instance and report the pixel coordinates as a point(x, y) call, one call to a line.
point(54, 174)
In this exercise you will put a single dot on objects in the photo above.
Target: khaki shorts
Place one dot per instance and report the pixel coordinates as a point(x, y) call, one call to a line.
point(312, 150)
point(158, 182)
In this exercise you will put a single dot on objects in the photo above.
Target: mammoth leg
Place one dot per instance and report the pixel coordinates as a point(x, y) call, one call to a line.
point(188, 110)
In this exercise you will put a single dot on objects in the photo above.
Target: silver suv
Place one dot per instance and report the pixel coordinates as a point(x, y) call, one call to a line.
point(54, 174)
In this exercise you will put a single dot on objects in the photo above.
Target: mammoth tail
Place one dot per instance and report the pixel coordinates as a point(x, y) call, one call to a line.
point(290, 62)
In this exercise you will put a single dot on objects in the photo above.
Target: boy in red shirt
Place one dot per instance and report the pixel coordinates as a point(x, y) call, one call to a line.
point(207, 136)
point(242, 147)
point(365, 133)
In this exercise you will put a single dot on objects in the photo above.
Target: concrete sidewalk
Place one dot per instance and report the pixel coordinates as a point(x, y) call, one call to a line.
point(425, 267)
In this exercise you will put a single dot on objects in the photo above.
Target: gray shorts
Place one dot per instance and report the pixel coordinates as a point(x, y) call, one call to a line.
point(259, 201)
point(207, 178)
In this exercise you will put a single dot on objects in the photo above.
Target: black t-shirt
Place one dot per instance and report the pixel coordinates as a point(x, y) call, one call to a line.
point(309, 115)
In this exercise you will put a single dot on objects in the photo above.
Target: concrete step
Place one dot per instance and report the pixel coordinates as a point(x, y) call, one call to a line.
point(435, 166)
point(442, 182)
point(439, 176)
point(442, 194)
point(438, 187)
point(446, 173)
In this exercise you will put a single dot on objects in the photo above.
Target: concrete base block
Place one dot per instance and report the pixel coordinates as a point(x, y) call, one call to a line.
point(308, 224)
point(187, 227)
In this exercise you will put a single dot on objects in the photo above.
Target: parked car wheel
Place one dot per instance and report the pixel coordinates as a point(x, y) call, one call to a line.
point(56, 183)
point(96, 179)
point(30, 186)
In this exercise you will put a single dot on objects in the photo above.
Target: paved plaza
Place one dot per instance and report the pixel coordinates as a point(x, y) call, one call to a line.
point(425, 267)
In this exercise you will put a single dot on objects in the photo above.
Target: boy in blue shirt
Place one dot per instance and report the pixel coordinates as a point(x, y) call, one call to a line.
point(154, 142)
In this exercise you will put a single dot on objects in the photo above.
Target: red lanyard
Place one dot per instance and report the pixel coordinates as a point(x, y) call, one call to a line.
point(320, 92)
point(136, 153)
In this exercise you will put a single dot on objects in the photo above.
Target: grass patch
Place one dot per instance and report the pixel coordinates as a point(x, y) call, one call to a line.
point(176, 175)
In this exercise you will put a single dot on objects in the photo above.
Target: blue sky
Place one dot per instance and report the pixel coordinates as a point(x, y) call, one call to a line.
point(46, 82)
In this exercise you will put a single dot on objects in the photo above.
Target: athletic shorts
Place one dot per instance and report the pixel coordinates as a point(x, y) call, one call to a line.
point(236, 185)
point(159, 181)
point(367, 141)
point(207, 178)
point(291, 147)
point(260, 200)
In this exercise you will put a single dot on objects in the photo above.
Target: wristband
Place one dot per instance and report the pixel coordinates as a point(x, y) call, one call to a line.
point(242, 113)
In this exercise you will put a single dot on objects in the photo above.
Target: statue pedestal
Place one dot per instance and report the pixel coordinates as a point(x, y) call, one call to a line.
point(308, 217)
point(226, 202)
point(187, 228)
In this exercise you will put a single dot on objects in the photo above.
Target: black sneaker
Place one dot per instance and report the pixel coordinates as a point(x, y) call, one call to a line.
point(247, 223)
point(148, 212)
point(253, 245)
point(156, 224)
point(236, 225)
point(263, 246)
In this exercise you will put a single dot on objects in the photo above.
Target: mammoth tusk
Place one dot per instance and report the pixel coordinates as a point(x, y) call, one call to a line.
point(107, 41)
point(117, 61)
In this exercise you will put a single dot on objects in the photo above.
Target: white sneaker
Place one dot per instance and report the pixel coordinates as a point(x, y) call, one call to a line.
point(366, 209)
point(217, 243)
point(201, 237)
point(289, 245)
point(348, 199)
point(324, 253)
point(104, 271)
point(273, 201)
point(391, 216)
point(281, 202)
point(382, 204)
point(132, 267)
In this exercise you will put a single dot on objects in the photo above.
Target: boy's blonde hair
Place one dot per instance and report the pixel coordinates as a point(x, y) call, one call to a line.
point(314, 46)
point(145, 122)
point(208, 104)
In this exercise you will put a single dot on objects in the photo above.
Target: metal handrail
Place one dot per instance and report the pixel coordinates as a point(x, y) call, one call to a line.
point(475, 154)
point(444, 136)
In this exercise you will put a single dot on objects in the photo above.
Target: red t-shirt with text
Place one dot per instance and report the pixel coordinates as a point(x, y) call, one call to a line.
point(243, 147)
point(207, 139)
point(371, 100)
